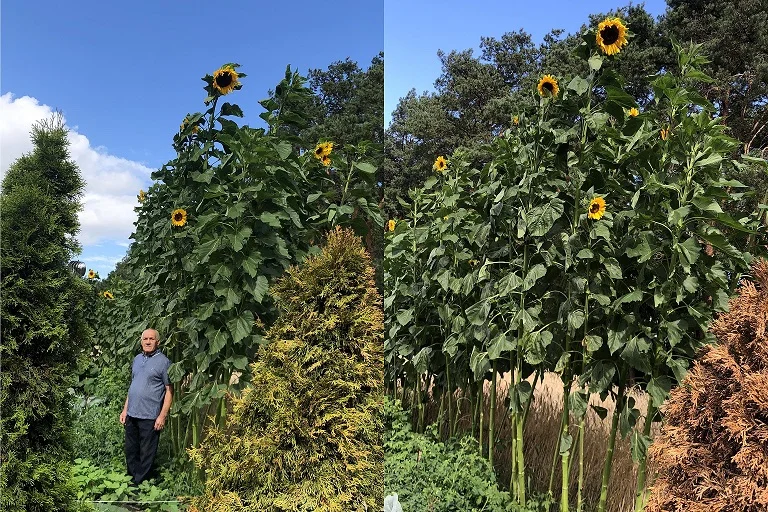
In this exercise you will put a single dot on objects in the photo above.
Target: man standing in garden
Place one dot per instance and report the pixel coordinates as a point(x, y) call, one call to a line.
point(146, 406)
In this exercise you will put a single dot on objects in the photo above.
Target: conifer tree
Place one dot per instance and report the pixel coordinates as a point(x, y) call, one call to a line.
point(42, 327)
point(307, 434)
point(711, 454)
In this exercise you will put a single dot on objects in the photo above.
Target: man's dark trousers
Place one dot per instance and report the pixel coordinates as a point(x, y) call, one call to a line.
point(140, 447)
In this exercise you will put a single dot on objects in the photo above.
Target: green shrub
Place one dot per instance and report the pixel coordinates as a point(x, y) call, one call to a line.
point(427, 474)
point(307, 435)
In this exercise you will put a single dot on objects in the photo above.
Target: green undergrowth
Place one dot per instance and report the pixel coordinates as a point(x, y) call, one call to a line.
point(112, 484)
point(430, 475)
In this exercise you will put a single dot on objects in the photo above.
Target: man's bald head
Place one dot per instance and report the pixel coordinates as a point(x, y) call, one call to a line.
point(150, 338)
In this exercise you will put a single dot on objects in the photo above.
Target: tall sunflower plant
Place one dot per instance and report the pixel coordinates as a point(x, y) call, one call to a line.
point(597, 233)
point(225, 218)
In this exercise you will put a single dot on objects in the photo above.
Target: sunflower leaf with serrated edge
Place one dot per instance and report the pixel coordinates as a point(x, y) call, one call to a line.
point(240, 326)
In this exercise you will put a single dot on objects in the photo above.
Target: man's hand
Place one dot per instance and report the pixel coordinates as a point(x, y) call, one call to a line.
point(160, 422)
point(122, 417)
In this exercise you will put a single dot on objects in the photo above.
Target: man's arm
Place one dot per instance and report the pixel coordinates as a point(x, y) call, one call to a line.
point(160, 421)
point(125, 411)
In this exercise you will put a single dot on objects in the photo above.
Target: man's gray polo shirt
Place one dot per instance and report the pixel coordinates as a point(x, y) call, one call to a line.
point(149, 376)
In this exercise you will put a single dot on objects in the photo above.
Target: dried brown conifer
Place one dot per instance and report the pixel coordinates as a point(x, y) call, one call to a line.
point(712, 453)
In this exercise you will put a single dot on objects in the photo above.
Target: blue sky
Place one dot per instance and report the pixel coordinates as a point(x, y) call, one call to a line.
point(415, 31)
point(124, 74)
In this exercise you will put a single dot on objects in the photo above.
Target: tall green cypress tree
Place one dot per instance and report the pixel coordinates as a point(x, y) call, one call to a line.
point(42, 322)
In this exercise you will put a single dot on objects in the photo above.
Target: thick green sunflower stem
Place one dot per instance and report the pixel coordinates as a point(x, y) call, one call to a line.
point(563, 422)
point(642, 470)
point(450, 399)
point(611, 445)
point(520, 460)
point(492, 417)
point(440, 412)
point(480, 400)
point(513, 489)
point(565, 454)
point(579, 497)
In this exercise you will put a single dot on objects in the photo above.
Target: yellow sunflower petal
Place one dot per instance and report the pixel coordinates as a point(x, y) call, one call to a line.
point(323, 149)
point(611, 36)
point(225, 80)
point(391, 225)
point(548, 86)
point(440, 165)
point(179, 217)
point(596, 208)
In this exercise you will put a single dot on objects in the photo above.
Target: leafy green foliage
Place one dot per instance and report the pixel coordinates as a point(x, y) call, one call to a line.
point(98, 436)
point(427, 474)
point(348, 107)
point(98, 484)
point(43, 332)
point(307, 433)
point(734, 37)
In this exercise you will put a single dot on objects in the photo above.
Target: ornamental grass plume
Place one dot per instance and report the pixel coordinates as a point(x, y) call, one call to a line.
point(307, 434)
point(711, 455)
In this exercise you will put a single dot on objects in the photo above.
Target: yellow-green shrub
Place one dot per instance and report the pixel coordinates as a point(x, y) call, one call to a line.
point(307, 435)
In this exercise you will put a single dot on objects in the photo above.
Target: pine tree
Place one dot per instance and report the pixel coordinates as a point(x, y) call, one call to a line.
point(711, 454)
point(42, 327)
point(307, 435)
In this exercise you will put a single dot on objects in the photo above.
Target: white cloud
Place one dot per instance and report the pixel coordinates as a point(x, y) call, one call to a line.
point(109, 260)
point(111, 182)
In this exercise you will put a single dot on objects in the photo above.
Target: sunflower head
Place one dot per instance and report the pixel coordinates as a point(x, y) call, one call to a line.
point(391, 225)
point(108, 295)
point(548, 86)
point(611, 36)
point(596, 208)
point(326, 160)
point(225, 79)
point(664, 133)
point(633, 112)
point(440, 165)
point(142, 196)
point(323, 149)
point(179, 217)
point(91, 274)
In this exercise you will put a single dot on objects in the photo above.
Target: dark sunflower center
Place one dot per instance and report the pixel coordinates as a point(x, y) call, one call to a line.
point(319, 151)
point(549, 86)
point(224, 79)
point(610, 35)
point(594, 208)
point(178, 217)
